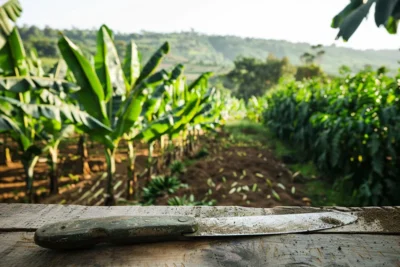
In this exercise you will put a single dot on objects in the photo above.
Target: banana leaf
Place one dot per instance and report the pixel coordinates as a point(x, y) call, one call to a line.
point(91, 95)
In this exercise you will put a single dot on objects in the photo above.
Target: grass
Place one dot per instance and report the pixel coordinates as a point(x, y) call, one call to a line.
point(323, 194)
point(246, 132)
point(320, 191)
point(307, 169)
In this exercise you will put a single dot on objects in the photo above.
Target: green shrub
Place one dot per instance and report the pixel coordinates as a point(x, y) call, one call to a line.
point(159, 186)
point(177, 167)
point(349, 127)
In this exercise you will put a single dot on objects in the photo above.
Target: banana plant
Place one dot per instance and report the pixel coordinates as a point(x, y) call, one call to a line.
point(30, 124)
point(10, 11)
point(35, 106)
point(111, 92)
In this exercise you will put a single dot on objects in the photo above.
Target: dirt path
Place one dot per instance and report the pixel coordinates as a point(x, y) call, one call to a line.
point(240, 175)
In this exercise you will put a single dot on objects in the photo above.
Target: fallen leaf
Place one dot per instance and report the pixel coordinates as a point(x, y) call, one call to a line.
point(254, 187)
point(293, 190)
point(275, 194)
point(281, 186)
point(210, 182)
point(233, 190)
point(296, 174)
point(259, 175)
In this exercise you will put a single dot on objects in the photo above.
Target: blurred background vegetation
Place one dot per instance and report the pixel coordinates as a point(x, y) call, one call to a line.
point(200, 52)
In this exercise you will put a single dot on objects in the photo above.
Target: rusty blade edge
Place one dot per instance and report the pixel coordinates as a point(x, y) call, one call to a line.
point(271, 224)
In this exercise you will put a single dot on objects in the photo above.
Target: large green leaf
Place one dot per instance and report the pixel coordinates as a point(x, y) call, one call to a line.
point(153, 62)
point(353, 20)
point(169, 122)
point(131, 109)
point(201, 81)
point(10, 11)
point(129, 116)
point(153, 102)
point(392, 25)
point(13, 59)
point(7, 125)
point(91, 95)
point(383, 10)
point(338, 19)
point(17, 84)
point(59, 70)
point(62, 112)
point(108, 66)
point(34, 63)
point(131, 64)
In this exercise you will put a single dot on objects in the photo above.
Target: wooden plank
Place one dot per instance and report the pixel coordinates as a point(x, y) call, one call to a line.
point(30, 217)
point(18, 249)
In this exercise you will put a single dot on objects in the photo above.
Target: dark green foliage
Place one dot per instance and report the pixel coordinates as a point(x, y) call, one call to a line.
point(387, 13)
point(203, 152)
point(308, 71)
point(177, 167)
point(160, 186)
point(190, 201)
point(349, 127)
point(252, 77)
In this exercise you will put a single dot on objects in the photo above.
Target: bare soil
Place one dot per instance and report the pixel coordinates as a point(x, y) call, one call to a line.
point(230, 166)
point(231, 174)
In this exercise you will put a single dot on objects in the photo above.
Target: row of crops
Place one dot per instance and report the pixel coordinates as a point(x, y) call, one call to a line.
point(104, 97)
point(348, 126)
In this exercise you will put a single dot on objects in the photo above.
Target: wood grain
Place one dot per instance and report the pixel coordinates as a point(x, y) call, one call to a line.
point(18, 249)
point(373, 241)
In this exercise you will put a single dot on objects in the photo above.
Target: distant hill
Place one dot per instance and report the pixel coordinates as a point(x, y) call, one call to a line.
point(215, 53)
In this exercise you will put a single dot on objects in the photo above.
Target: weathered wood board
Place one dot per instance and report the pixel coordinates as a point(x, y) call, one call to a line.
point(373, 241)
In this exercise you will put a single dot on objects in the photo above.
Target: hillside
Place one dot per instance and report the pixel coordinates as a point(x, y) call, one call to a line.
point(202, 52)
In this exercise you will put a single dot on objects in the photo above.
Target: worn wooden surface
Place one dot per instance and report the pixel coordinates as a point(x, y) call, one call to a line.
point(373, 241)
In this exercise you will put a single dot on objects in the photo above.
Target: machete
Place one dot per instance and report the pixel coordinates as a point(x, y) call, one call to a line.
point(84, 233)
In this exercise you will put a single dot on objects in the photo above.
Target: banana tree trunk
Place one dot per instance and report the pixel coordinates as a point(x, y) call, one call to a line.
point(5, 157)
point(53, 151)
point(110, 158)
point(161, 157)
point(169, 152)
point(150, 161)
point(29, 167)
point(83, 153)
point(132, 187)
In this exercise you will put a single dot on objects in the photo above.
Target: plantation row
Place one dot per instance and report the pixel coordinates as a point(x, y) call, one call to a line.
point(102, 97)
point(348, 126)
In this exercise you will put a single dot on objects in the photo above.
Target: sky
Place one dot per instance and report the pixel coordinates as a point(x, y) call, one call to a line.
point(292, 20)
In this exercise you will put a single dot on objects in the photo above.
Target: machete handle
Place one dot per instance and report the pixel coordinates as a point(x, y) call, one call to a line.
point(85, 233)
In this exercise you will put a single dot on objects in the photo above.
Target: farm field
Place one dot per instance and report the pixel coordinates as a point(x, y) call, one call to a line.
point(103, 118)
point(223, 170)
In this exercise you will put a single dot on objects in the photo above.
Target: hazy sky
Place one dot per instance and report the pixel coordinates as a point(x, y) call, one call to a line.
point(292, 20)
